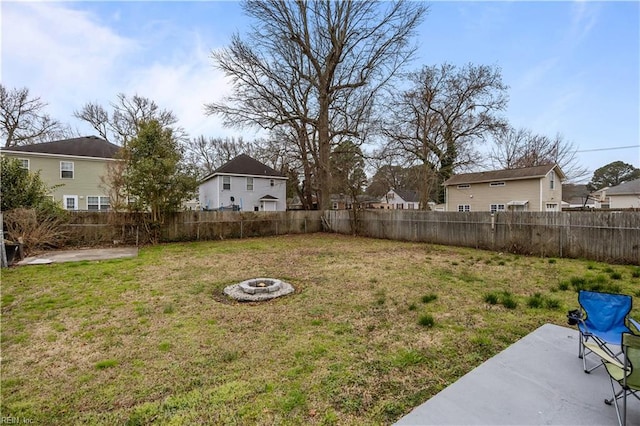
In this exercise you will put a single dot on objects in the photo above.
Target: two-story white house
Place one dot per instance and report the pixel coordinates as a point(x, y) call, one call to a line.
point(244, 184)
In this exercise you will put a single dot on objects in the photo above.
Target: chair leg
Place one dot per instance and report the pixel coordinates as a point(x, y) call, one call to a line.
point(624, 409)
point(615, 401)
point(615, 397)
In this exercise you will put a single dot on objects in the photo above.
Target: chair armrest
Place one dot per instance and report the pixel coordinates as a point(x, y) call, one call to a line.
point(635, 324)
point(593, 347)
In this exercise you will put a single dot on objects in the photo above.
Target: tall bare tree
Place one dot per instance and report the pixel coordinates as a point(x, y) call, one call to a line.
point(515, 148)
point(206, 154)
point(126, 117)
point(443, 114)
point(23, 120)
point(315, 68)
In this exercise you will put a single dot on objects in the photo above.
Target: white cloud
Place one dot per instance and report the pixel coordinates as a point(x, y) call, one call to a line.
point(70, 57)
point(61, 54)
point(584, 17)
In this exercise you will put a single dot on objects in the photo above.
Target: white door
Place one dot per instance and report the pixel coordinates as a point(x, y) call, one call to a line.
point(70, 202)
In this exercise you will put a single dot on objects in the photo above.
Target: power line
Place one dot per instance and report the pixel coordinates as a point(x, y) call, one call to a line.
point(609, 149)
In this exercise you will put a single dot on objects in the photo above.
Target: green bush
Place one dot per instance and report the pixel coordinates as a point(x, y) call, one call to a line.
point(107, 363)
point(509, 302)
point(491, 299)
point(553, 304)
point(535, 301)
point(426, 320)
point(428, 298)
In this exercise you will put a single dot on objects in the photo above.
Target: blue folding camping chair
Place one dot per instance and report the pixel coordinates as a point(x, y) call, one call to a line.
point(602, 320)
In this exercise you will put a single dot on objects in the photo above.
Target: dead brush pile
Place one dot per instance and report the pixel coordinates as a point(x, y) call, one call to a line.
point(38, 230)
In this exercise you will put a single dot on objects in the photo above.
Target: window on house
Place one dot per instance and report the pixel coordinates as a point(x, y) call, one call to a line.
point(552, 180)
point(226, 182)
point(70, 202)
point(335, 206)
point(399, 206)
point(24, 163)
point(98, 203)
point(497, 208)
point(66, 170)
point(552, 207)
point(464, 208)
point(390, 195)
point(464, 186)
point(249, 184)
point(272, 182)
point(410, 206)
point(497, 184)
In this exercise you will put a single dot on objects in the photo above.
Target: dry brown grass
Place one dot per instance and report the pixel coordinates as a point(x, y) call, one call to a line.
point(153, 340)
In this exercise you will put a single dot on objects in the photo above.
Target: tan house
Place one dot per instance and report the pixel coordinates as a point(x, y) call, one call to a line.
point(533, 189)
point(72, 167)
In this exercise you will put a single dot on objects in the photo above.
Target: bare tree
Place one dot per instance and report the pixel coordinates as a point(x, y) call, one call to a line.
point(126, 117)
point(515, 148)
point(23, 120)
point(206, 154)
point(442, 115)
point(314, 69)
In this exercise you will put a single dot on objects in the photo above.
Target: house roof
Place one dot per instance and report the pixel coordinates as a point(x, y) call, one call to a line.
point(631, 187)
point(408, 195)
point(86, 146)
point(268, 197)
point(506, 174)
point(244, 165)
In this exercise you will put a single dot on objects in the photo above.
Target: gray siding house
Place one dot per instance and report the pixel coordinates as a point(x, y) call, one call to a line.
point(243, 184)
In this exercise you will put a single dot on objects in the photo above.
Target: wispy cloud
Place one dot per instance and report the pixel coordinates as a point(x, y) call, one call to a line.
point(584, 16)
point(70, 57)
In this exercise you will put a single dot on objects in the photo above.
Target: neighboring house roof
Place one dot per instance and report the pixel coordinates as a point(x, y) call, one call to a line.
point(86, 146)
point(507, 174)
point(245, 166)
point(268, 197)
point(631, 187)
point(582, 201)
point(408, 195)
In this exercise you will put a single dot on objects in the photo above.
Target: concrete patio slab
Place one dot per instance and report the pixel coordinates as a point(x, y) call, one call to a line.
point(538, 380)
point(79, 255)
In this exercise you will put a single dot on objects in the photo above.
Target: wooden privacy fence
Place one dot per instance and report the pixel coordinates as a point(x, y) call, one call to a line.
point(92, 228)
point(602, 236)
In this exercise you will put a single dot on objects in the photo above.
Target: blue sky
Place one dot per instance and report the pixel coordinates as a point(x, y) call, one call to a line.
point(572, 67)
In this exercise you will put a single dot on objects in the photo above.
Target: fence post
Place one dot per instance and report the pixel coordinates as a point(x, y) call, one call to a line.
point(241, 229)
point(3, 253)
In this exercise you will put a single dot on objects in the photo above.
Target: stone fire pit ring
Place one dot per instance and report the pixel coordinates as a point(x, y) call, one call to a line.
point(258, 289)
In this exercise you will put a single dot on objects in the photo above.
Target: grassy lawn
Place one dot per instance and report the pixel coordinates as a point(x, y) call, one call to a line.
point(374, 328)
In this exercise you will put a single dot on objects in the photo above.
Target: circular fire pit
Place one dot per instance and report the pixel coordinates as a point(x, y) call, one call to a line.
point(260, 285)
point(257, 289)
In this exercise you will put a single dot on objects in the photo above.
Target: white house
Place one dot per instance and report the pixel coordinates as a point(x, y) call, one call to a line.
point(625, 196)
point(244, 184)
point(398, 199)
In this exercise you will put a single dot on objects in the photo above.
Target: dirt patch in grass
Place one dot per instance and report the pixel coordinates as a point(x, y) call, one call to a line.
point(154, 339)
